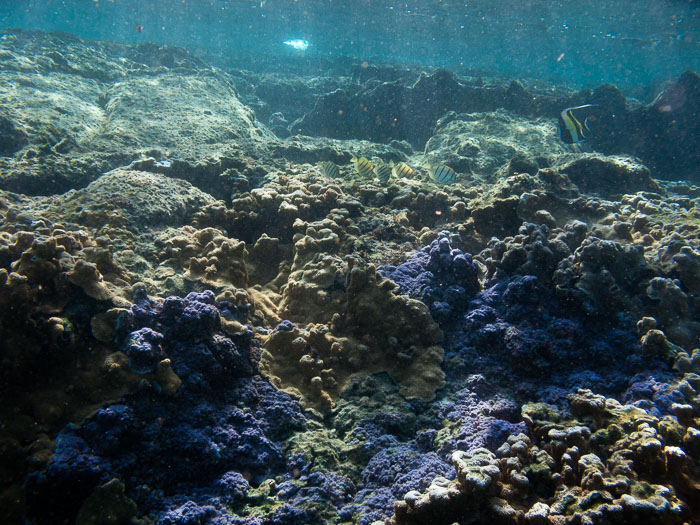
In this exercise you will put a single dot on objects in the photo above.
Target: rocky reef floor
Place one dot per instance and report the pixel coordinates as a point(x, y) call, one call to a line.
point(199, 325)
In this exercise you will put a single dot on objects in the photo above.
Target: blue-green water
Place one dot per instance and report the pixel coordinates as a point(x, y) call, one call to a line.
point(578, 43)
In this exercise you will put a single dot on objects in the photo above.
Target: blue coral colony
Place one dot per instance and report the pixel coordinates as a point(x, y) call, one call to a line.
point(290, 284)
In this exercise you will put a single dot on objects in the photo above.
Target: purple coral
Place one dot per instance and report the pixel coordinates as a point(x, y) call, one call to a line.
point(444, 278)
point(519, 325)
point(144, 351)
point(194, 450)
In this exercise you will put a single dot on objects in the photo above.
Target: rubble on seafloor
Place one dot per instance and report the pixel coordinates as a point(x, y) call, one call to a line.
point(198, 326)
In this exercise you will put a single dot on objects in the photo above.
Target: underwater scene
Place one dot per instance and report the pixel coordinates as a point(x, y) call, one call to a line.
point(304, 262)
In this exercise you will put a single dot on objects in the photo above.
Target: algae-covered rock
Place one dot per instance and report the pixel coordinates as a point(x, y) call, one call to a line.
point(133, 200)
point(94, 107)
point(609, 176)
point(483, 143)
point(12, 139)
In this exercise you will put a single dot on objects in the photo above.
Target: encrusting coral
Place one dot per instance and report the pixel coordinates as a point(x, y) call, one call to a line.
point(611, 463)
point(362, 326)
point(54, 281)
point(208, 257)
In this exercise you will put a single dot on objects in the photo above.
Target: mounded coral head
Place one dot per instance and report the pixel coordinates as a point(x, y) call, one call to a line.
point(442, 277)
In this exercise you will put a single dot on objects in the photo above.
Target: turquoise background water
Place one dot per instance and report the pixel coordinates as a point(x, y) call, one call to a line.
point(577, 42)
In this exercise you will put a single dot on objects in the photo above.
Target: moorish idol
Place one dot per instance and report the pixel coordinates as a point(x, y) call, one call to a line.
point(573, 123)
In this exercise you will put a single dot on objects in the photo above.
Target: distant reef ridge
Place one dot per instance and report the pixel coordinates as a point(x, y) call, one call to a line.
point(75, 109)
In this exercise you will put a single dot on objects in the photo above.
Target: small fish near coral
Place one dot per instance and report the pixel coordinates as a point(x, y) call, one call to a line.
point(330, 169)
point(363, 167)
point(403, 170)
point(383, 172)
point(573, 122)
point(443, 174)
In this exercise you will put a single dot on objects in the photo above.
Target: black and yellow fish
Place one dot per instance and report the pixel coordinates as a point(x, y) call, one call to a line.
point(363, 167)
point(443, 174)
point(403, 170)
point(383, 172)
point(330, 170)
point(573, 123)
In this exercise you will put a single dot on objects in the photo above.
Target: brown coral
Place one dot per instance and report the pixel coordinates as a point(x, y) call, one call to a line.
point(365, 327)
point(613, 464)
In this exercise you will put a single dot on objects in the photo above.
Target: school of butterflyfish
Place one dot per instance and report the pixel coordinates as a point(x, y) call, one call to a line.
point(573, 127)
point(365, 169)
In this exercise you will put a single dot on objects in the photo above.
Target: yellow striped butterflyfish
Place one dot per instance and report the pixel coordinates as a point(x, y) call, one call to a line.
point(443, 174)
point(363, 167)
point(573, 123)
point(330, 169)
point(383, 172)
point(403, 170)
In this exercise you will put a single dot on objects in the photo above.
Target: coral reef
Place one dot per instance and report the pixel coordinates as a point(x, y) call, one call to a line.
point(368, 329)
point(608, 463)
point(219, 419)
point(198, 326)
